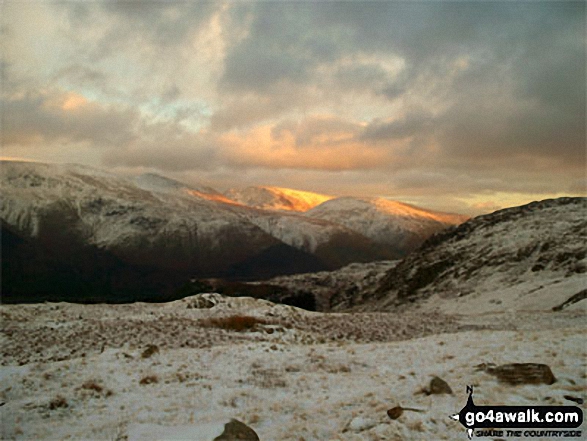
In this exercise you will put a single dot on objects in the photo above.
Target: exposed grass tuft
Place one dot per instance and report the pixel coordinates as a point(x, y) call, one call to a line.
point(238, 323)
point(149, 379)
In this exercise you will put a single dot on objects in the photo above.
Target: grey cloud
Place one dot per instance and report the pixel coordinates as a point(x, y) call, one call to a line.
point(255, 68)
point(82, 76)
point(285, 43)
point(244, 110)
point(415, 123)
point(162, 22)
point(167, 148)
point(521, 95)
point(171, 93)
point(534, 106)
point(32, 117)
point(370, 78)
point(316, 131)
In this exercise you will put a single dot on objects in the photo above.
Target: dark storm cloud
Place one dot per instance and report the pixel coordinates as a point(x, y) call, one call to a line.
point(531, 101)
point(288, 40)
point(285, 43)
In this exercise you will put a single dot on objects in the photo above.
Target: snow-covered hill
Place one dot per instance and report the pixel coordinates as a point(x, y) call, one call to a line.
point(162, 219)
point(528, 257)
point(332, 290)
point(275, 198)
point(183, 369)
point(401, 226)
point(61, 222)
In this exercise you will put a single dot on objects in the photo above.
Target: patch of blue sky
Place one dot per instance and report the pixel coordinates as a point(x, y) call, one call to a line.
point(192, 115)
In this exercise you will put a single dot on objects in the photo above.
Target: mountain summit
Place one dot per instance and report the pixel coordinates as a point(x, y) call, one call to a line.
point(276, 198)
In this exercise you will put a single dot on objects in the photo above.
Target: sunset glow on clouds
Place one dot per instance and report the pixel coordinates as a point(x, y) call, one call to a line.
point(465, 106)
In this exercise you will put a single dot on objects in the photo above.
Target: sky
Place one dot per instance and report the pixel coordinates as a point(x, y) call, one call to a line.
point(464, 106)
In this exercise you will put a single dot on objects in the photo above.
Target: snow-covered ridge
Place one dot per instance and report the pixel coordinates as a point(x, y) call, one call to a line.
point(528, 257)
point(113, 208)
point(78, 214)
point(398, 225)
point(276, 198)
point(112, 211)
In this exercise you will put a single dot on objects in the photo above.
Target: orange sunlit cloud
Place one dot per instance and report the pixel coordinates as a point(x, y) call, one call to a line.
point(327, 151)
point(73, 101)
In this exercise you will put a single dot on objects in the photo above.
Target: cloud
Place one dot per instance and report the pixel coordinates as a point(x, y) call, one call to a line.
point(65, 116)
point(169, 152)
point(412, 124)
point(316, 132)
point(161, 24)
point(308, 145)
point(446, 98)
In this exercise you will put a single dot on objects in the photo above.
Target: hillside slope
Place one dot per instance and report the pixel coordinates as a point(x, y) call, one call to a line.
point(400, 226)
point(528, 257)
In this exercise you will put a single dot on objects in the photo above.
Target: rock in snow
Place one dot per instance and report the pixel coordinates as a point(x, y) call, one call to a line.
point(234, 430)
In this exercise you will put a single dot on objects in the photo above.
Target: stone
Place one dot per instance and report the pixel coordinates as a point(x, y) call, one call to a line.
point(522, 373)
point(395, 412)
point(204, 301)
point(438, 386)
point(577, 400)
point(149, 351)
point(237, 431)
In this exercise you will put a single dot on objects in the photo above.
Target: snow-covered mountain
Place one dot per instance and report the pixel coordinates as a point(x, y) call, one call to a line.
point(528, 257)
point(400, 226)
point(163, 221)
point(61, 222)
point(275, 198)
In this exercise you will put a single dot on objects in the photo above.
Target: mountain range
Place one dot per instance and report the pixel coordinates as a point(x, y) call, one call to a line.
point(516, 259)
point(72, 232)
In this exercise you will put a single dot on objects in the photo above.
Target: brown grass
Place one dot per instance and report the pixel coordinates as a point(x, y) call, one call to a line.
point(238, 323)
point(92, 385)
point(149, 379)
point(149, 351)
point(58, 402)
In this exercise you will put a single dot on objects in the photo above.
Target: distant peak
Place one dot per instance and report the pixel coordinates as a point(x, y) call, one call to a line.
point(277, 198)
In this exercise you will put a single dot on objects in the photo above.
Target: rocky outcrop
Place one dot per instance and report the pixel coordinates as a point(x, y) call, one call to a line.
point(237, 431)
point(521, 373)
point(492, 252)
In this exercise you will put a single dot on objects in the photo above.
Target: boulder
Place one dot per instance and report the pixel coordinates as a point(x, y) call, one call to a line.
point(438, 386)
point(234, 430)
point(217, 430)
point(522, 373)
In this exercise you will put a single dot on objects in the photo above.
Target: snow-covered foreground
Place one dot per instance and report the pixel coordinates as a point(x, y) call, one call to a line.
point(288, 377)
